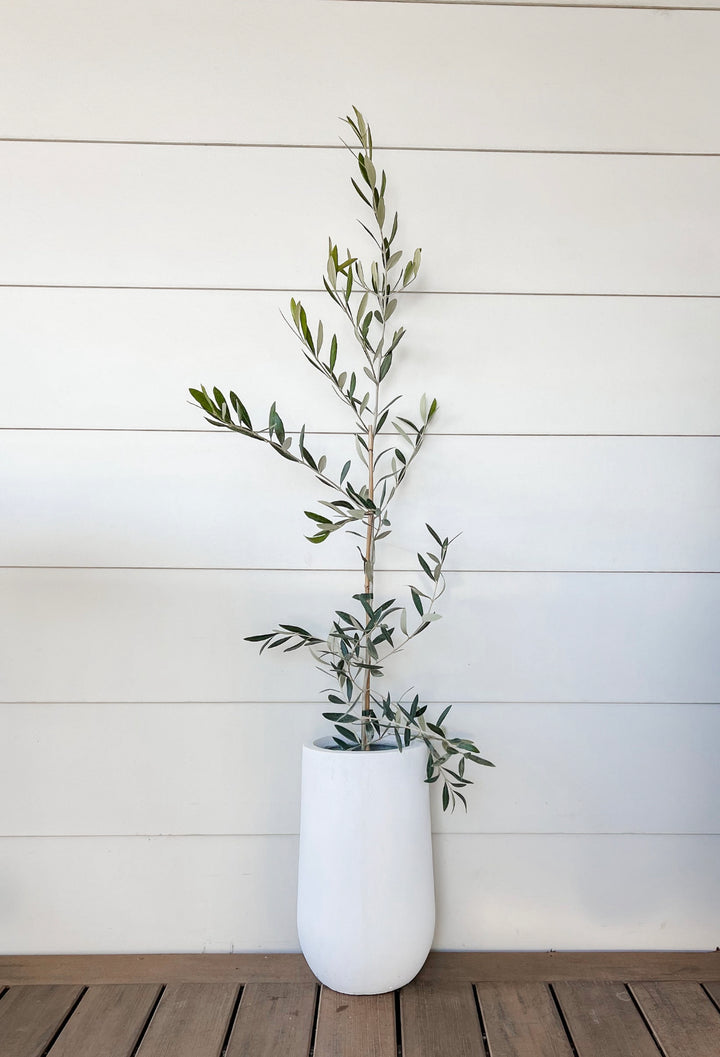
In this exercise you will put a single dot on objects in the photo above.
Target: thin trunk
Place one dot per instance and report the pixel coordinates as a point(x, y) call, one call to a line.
point(369, 584)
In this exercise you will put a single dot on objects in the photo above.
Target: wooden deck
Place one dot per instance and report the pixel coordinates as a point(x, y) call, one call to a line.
point(461, 1005)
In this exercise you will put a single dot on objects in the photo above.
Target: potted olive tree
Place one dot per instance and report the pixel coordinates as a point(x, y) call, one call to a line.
point(365, 898)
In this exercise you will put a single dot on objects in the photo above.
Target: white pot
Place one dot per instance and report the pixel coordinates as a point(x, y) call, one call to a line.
point(366, 898)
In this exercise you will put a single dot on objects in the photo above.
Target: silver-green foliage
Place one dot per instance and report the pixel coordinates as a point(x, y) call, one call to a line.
point(360, 643)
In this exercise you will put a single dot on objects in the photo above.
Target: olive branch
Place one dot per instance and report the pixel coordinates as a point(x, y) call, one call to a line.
point(360, 643)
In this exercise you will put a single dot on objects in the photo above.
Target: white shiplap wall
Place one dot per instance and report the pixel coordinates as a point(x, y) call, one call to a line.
point(169, 175)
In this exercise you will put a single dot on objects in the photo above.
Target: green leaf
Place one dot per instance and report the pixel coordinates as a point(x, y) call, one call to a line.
point(305, 330)
point(443, 715)
point(333, 352)
point(397, 338)
point(307, 457)
point(385, 365)
point(360, 192)
point(298, 645)
point(445, 798)
point(368, 170)
point(279, 642)
point(417, 601)
point(362, 124)
point(462, 743)
point(434, 535)
point(392, 305)
point(240, 410)
point(480, 760)
point(332, 271)
point(409, 423)
point(201, 398)
point(393, 233)
point(275, 424)
point(350, 735)
point(425, 567)
point(345, 471)
point(401, 431)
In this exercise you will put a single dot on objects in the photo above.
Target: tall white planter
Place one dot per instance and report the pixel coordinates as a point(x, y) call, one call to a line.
point(366, 897)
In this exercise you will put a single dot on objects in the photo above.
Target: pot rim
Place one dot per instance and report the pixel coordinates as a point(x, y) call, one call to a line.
point(316, 745)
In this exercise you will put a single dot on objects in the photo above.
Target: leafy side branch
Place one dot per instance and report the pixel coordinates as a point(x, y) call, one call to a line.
point(358, 497)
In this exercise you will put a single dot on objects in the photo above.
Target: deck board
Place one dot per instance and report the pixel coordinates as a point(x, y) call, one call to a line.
point(440, 1020)
point(476, 967)
point(31, 1015)
point(354, 1025)
point(521, 1021)
point(531, 1005)
point(713, 989)
point(274, 1020)
point(190, 1021)
point(108, 1021)
point(603, 1021)
point(682, 1017)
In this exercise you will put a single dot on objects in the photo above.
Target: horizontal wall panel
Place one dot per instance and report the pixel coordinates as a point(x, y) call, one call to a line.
point(222, 894)
point(141, 215)
point(125, 635)
point(172, 895)
point(492, 76)
point(514, 364)
point(208, 500)
point(577, 893)
point(235, 769)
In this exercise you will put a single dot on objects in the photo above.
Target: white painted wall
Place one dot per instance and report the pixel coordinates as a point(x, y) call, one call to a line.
point(169, 173)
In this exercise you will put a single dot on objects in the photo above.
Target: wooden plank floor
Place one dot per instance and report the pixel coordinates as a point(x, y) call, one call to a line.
point(461, 1005)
